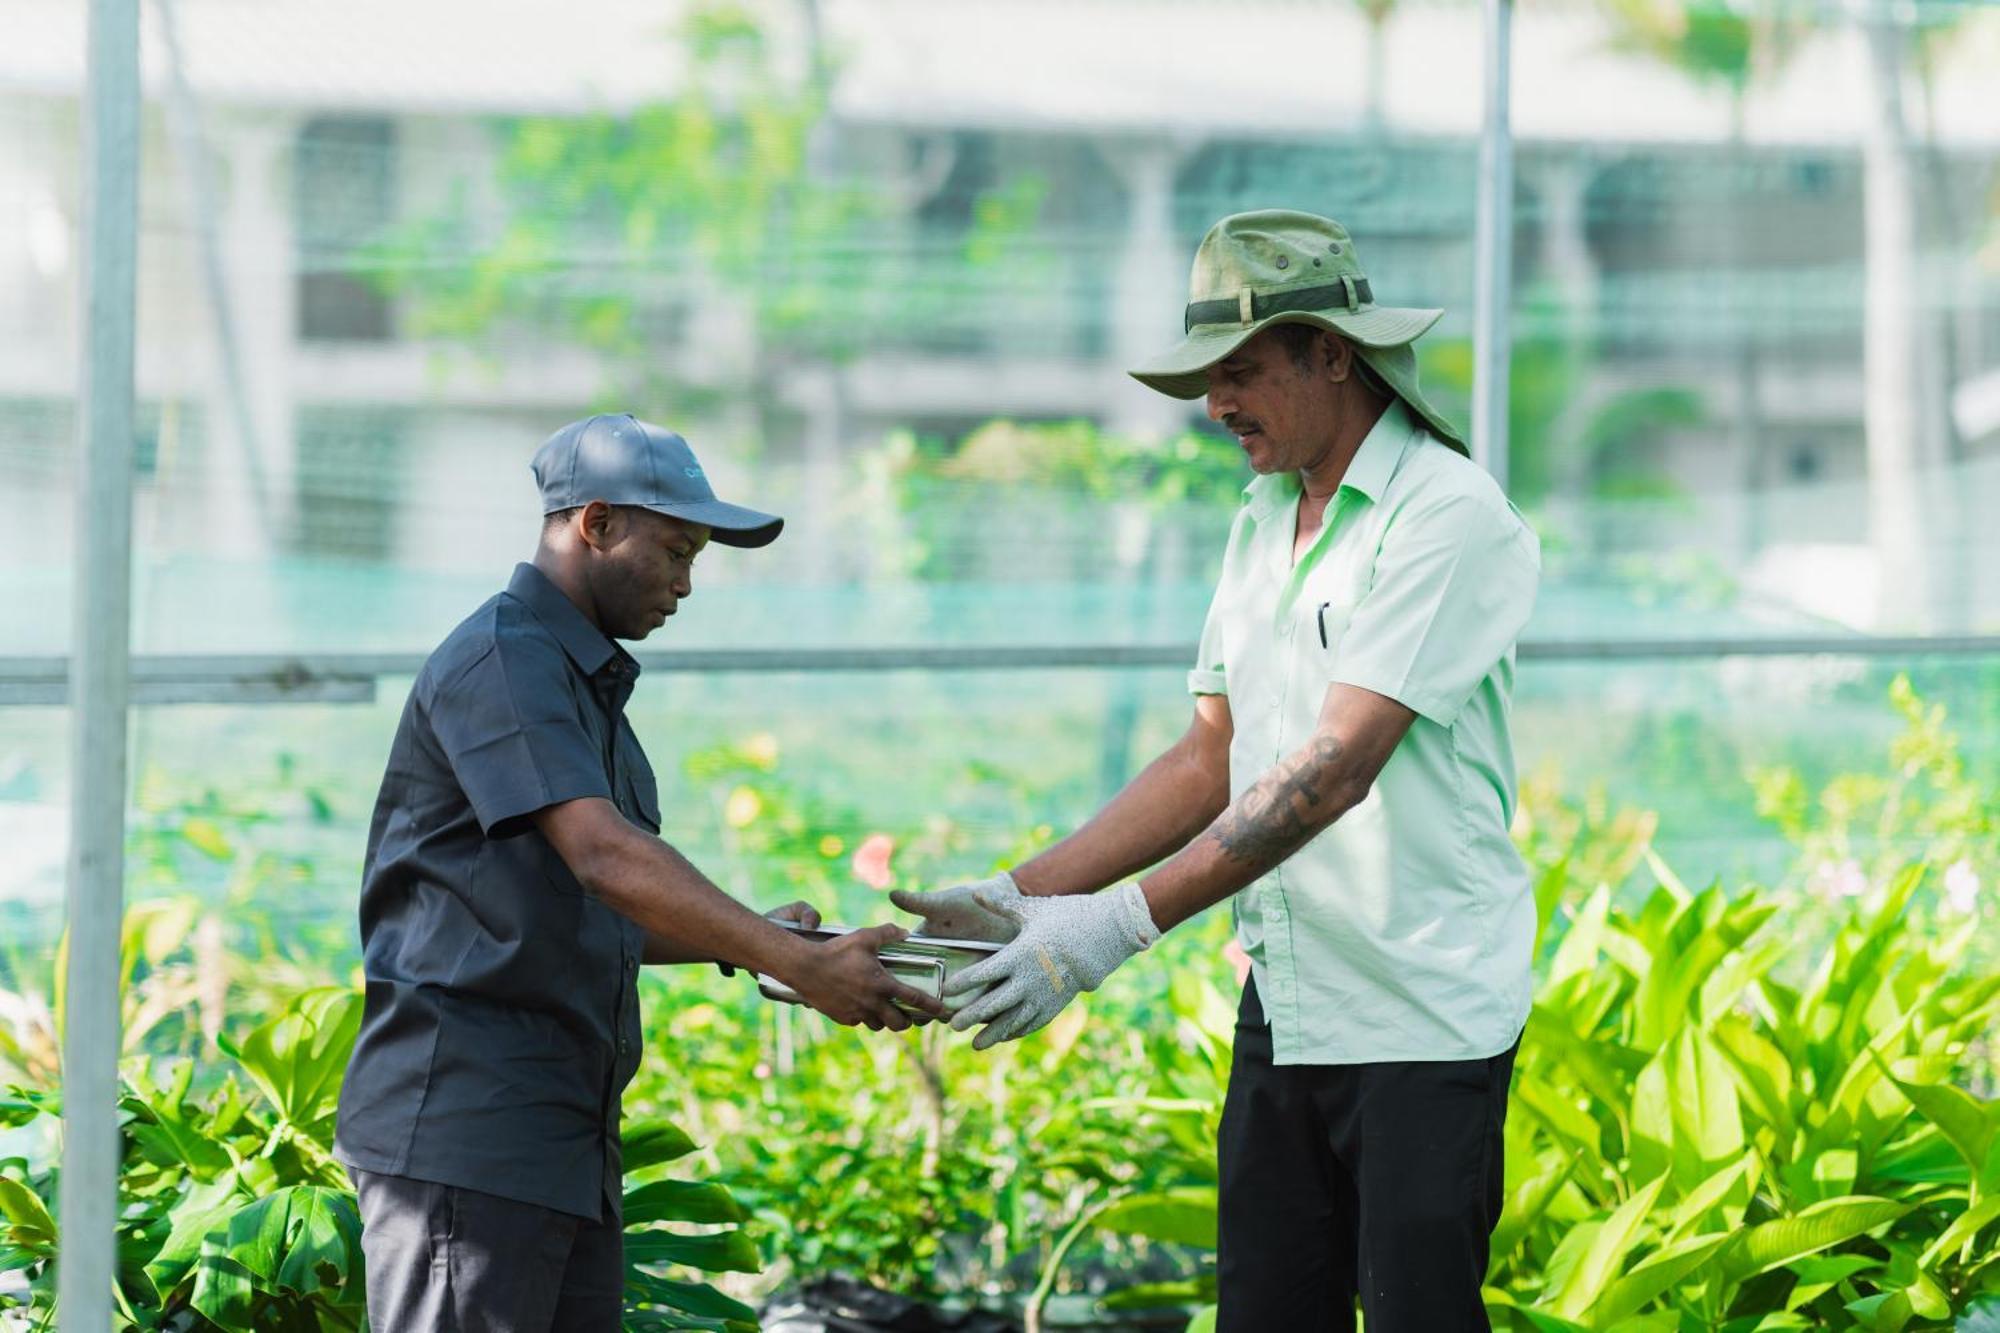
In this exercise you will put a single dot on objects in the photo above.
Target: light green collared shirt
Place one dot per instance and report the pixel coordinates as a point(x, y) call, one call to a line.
point(1403, 931)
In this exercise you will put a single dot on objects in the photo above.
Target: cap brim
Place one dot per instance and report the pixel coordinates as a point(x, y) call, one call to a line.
point(731, 525)
point(1182, 372)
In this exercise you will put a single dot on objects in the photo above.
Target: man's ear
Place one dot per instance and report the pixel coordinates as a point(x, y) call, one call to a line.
point(1339, 356)
point(598, 524)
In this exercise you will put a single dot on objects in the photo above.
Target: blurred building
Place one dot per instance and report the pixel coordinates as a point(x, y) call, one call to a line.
point(1692, 288)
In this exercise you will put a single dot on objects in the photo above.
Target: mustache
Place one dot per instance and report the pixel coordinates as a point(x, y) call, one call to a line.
point(1238, 425)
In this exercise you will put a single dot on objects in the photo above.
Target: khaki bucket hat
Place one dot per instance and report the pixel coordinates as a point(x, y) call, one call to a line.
point(1274, 266)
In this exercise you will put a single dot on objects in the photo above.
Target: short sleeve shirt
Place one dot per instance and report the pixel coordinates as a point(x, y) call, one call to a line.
point(1402, 931)
point(501, 1018)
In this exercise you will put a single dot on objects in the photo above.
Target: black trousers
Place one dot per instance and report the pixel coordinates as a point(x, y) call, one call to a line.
point(447, 1260)
point(1380, 1182)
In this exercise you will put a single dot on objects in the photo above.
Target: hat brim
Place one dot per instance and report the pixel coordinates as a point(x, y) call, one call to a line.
point(731, 525)
point(1382, 337)
point(1182, 372)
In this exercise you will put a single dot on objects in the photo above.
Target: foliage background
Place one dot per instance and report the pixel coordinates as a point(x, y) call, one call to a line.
point(907, 330)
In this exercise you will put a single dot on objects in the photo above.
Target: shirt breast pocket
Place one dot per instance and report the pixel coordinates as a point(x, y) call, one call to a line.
point(1327, 604)
point(642, 799)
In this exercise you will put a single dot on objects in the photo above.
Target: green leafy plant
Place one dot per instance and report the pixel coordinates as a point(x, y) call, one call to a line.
point(1695, 1142)
point(234, 1214)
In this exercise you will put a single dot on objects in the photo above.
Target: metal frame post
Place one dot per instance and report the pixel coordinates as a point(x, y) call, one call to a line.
point(100, 679)
point(1494, 250)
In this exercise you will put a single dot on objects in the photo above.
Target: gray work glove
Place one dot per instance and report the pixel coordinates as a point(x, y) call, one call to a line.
point(1066, 944)
point(952, 914)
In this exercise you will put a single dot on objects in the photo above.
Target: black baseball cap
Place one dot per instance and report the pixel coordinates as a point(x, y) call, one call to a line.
point(622, 460)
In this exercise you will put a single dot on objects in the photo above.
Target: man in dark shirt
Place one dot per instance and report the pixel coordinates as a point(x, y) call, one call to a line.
point(514, 883)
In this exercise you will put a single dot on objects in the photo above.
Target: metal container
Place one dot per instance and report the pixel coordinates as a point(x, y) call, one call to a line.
point(923, 962)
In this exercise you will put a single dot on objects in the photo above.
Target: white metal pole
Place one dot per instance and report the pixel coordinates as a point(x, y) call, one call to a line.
point(1494, 251)
point(100, 667)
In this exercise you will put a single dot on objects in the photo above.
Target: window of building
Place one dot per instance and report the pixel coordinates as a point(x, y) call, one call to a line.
point(344, 198)
point(348, 464)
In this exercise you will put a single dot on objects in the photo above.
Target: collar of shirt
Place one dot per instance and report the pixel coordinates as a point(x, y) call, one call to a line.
point(608, 666)
point(1368, 475)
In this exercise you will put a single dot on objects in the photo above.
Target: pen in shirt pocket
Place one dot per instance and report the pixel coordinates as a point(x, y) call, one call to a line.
point(1320, 615)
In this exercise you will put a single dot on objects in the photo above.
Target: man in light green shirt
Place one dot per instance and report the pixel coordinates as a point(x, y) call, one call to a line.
point(1348, 780)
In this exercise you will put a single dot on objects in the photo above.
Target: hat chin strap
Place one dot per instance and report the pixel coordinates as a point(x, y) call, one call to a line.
point(1349, 294)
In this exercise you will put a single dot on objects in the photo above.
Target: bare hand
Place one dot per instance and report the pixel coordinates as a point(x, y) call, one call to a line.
point(844, 980)
point(798, 913)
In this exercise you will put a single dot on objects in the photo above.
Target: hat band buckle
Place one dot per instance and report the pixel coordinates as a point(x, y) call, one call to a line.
point(1350, 293)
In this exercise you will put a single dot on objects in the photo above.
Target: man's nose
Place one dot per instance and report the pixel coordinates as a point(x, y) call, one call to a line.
point(1219, 404)
point(683, 585)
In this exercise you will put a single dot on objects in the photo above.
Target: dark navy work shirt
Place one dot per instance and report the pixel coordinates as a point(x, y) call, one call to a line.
point(501, 1020)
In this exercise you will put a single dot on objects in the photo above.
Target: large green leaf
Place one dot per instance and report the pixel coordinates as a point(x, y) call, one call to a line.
point(203, 1210)
point(681, 1201)
point(1568, 1254)
point(1969, 1123)
point(304, 1240)
point(1606, 1255)
point(1577, 954)
point(1731, 1182)
point(1707, 1113)
point(1526, 1200)
point(1570, 1123)
point(1700, 939)
point(718, 1252)
point(170, 1140)
point(30, 1225)
point(1181, 1216)
point(696, 1298)
point(653, 1143)
point(1763, 1074)
point(1818, 1274)
point(1664, 1268)
point(1825, 1224)
point(1963, 1228)
point(1925, 1158)
point(298, 1058)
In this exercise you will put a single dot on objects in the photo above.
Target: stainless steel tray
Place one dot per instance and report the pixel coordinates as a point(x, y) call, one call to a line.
point(924, 962)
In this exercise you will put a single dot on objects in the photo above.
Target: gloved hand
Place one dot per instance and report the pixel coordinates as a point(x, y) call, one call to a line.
point(1065, 944)
point(952, 914)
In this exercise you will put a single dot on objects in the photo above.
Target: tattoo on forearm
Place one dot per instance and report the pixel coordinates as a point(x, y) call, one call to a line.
point(1283, 811)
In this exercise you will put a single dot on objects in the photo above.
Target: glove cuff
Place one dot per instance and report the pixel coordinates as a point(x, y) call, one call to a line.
point(1139, 926)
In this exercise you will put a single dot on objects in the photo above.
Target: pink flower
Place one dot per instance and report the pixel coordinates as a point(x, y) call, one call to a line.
point(1838, 879)
point(1232, 953)
point(871, 861)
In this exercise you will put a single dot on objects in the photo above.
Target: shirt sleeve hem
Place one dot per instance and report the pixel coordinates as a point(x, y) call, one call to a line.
point(504, 819)
point(1425, 703)
point(1207, 682)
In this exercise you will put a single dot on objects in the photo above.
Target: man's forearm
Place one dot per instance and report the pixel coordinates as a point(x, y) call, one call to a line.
point(685, 916)
point(661, 950)
point(1301, 795)
point(1171, 801)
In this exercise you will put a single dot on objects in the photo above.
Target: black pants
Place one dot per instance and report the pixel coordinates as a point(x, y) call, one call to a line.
point(1377, 1181)
point(447, 1260)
